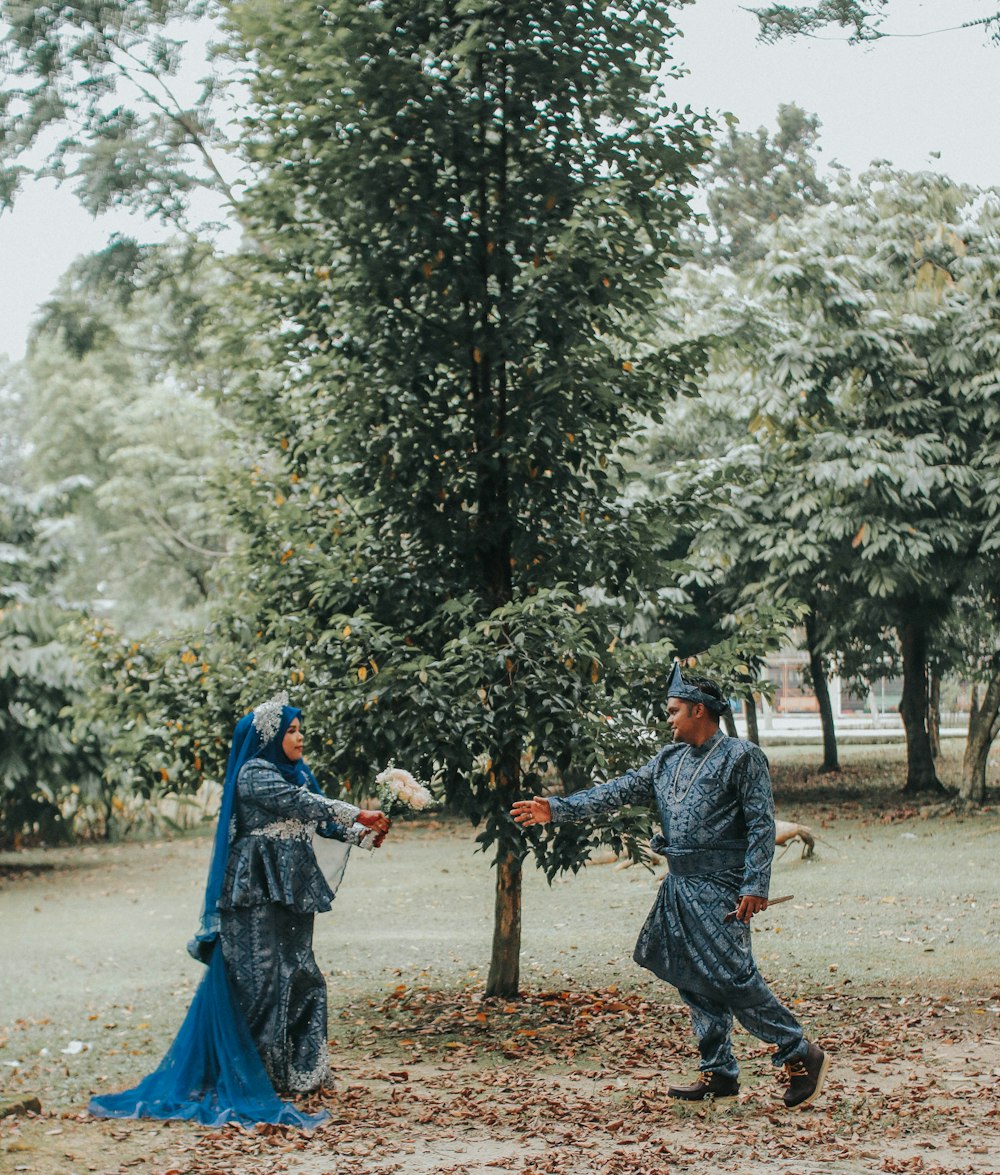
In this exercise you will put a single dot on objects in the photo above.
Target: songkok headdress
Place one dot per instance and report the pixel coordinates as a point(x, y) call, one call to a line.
point(687, 691)
point(267, 716)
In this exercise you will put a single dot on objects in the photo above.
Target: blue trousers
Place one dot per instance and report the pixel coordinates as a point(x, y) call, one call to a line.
point(768, 1020)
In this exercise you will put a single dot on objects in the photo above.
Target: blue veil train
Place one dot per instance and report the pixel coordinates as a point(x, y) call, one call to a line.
point(212, 1072)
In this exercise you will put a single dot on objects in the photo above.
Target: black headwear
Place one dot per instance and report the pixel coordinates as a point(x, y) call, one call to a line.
point(677, 687)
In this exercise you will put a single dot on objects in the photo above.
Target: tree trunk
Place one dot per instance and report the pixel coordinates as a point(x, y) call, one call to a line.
point(934, 714)
point(984, 724)
point(750, 709)
point(729, 722)
point(821, 688)
point(921, 775)
point(505, 960)
point(488, 382)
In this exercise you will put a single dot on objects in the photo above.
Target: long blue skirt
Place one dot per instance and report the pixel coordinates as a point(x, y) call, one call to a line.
point(212, 1073)
point(281, 992)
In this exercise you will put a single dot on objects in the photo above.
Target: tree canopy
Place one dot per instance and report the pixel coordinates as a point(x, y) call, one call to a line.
point(118, 397)
point(753, 180)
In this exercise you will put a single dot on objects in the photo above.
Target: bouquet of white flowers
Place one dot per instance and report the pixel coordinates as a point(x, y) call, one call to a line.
point(398, 792)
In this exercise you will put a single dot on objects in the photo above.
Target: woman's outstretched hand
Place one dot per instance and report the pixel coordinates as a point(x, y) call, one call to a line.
point(377, 821)
point(373, 818)
point(533, 811)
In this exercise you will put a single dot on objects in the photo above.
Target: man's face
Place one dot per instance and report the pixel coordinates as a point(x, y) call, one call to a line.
point(291, 744)
point(683, 719)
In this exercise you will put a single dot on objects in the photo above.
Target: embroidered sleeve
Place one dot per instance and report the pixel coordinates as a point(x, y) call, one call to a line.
point(342, 812)
point(634, 787)
point(753, 784)
point(272, 792)
point(360, 835)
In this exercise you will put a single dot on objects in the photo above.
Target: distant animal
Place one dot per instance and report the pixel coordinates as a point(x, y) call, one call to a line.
point(787, 832)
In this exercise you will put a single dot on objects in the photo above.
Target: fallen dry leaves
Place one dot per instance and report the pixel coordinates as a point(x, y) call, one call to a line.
point(574, 1083)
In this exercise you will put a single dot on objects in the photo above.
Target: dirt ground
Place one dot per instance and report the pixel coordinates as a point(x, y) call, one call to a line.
point(889, 953)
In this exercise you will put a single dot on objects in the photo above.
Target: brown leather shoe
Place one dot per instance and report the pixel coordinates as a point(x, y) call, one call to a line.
point(805, 1077)
point(713, 1085)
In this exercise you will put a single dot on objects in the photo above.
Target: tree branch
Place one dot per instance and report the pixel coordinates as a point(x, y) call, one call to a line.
point(179, 538)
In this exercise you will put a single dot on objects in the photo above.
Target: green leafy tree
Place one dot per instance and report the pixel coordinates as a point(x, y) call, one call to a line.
point(44, 766)
point(755, 179)
point(11, 409)
point(754, 183)
point(877, 419)
point(886, 294)
point(710, 469)
point(121, 396)
point(93, 96)
point(467, 212)
point(41, 759)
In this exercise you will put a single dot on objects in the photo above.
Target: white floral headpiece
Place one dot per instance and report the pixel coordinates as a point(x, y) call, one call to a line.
point(267, 716)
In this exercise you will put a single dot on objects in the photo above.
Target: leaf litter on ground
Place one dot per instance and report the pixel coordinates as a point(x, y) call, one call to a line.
point(573, 1082)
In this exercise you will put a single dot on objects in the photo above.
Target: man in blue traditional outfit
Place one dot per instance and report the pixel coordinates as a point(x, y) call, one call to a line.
point(713, 795)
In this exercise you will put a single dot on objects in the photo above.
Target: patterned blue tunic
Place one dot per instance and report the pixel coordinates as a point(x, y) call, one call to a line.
point(717, 815)
point(272, 891)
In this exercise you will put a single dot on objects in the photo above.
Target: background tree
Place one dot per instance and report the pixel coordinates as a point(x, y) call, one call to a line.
point(720, 476)
point(40, 761)
point(852, 379)
point(94, 96)
point(11, 443)
point(755, 179)
point(44, 767)
point(885, 382)
point(118, 396)
point(702, 464)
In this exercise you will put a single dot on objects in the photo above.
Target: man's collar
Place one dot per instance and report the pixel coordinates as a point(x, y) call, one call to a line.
point(712, 741)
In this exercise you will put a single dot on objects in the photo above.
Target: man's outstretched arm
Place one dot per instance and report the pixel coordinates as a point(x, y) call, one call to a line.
point(634, 787)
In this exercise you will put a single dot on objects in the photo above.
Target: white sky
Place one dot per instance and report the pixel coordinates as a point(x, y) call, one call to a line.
point(899, 99)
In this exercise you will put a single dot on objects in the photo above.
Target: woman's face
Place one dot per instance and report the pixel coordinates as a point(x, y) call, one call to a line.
point(291, 744)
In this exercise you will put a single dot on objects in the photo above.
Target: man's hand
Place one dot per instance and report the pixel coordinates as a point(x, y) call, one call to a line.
point(533, 811)
point(749, 905)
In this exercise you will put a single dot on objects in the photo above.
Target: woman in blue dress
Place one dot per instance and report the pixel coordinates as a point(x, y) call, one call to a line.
point(257, 1024)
